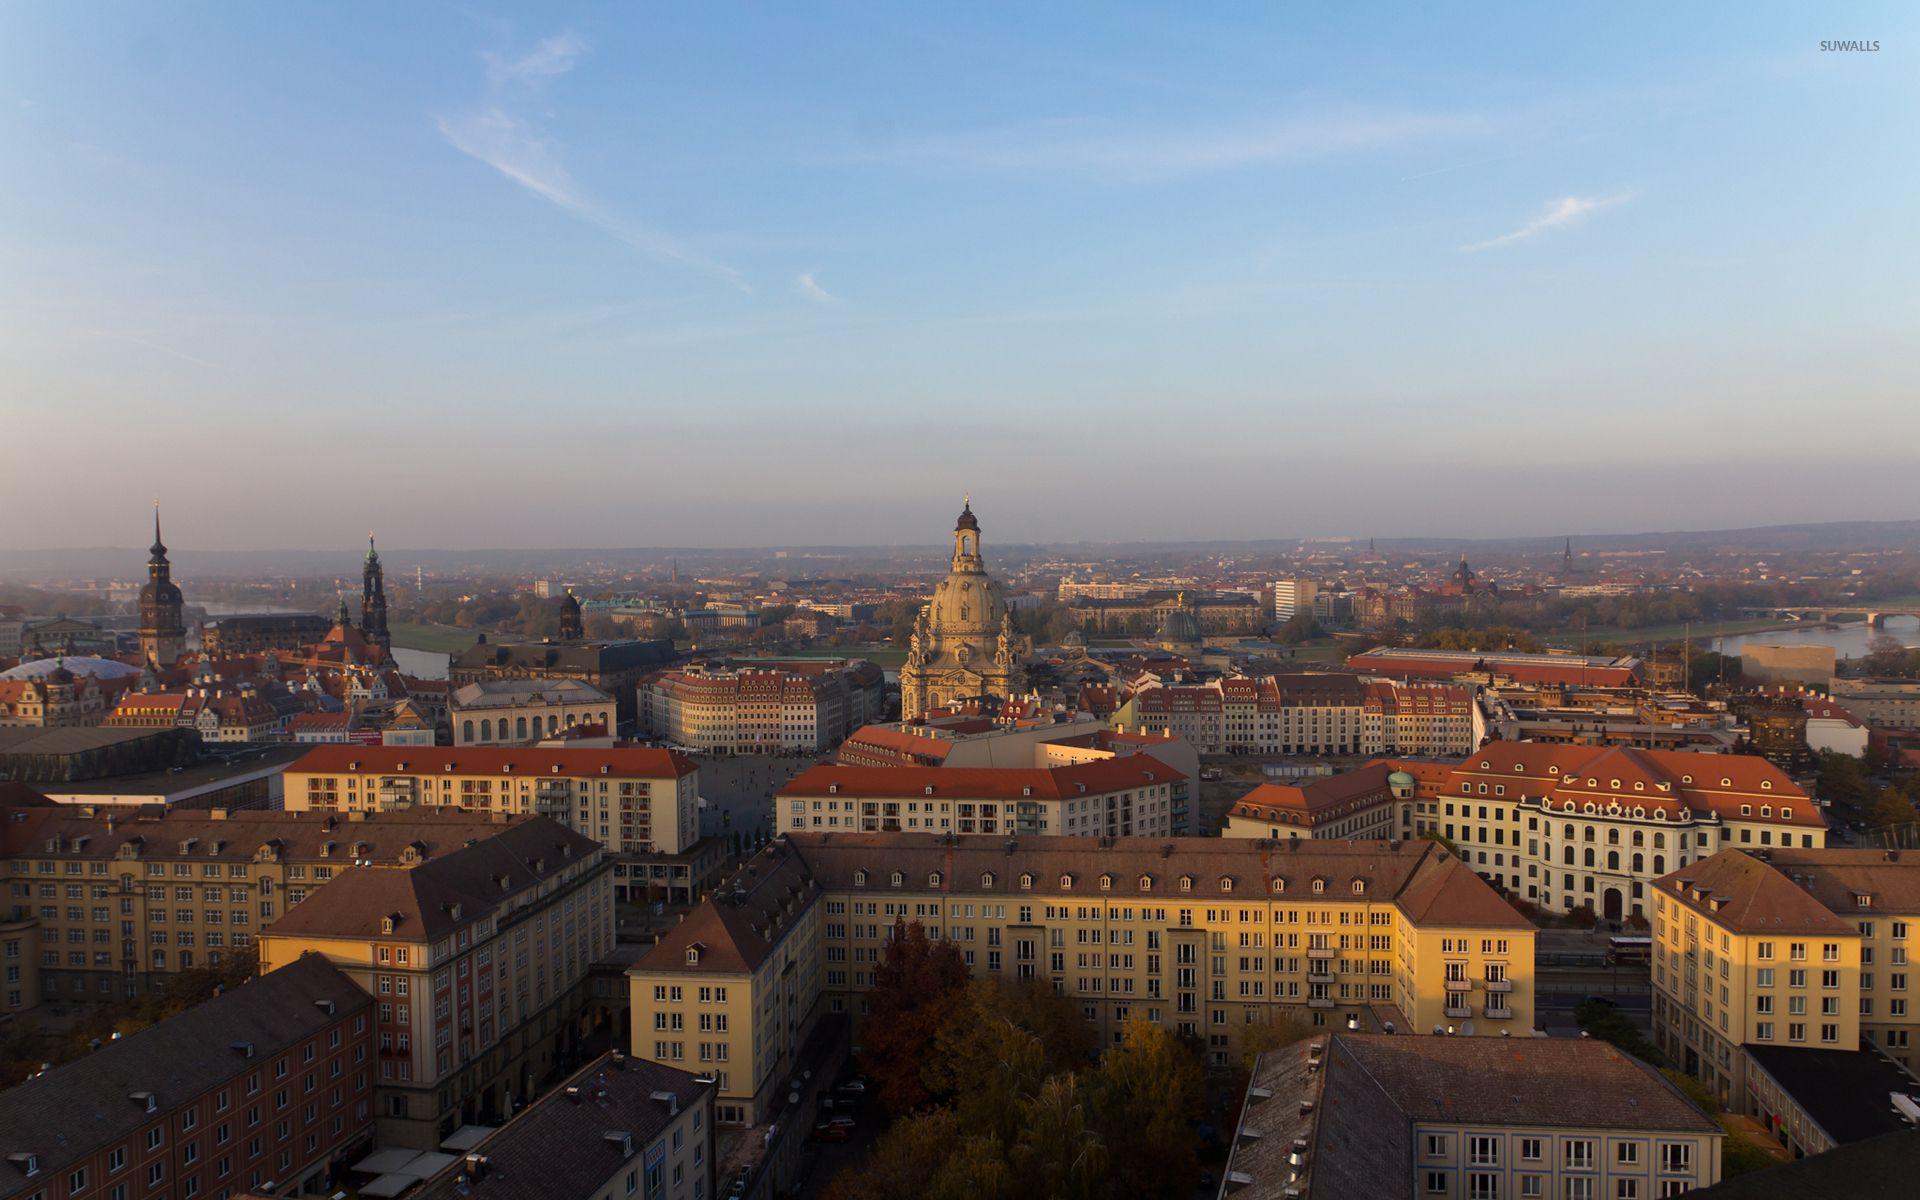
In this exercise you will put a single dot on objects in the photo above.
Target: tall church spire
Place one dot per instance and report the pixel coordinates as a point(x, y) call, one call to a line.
point(373, 600)
point(163, 630)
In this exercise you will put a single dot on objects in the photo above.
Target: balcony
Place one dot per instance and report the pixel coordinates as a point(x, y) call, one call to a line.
point(1319, 1002)
point(1498, 985)
point(1459, 985)
point(1458, 1011)
point(1321, 952)
point(1319, 976)
point(1497, 1014)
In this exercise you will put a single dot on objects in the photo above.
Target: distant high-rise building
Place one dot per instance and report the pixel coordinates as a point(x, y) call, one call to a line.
point(1291, 596)
point(163, 630)
point(373, 600)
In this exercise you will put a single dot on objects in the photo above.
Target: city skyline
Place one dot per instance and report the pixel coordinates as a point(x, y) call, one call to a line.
point(1384, 274)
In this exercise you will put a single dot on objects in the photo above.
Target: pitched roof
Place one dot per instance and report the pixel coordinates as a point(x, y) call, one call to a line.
point(1577, 1082)
point(494, 760)
point(1880, 1168)
point(735, 928)
point(73, 1110)
point(1098, 776)
point(1314, 798)
point(1742, 893)
point(441, 894)
point(153, 831)
point(1846, 1092)
point(562, 1148)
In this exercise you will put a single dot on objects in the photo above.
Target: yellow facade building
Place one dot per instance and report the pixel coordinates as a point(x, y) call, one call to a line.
point(1206, 936)
point(1788, 948)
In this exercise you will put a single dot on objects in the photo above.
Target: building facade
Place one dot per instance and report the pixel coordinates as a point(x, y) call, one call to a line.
point(631, 799)
point(963, 644)
point(1803, 948)
point(263, 1090)
point(1123, 796)
point(477, 962)
point(110, 902)
point(507, 712)
point(775, 707)
point(1207, 936)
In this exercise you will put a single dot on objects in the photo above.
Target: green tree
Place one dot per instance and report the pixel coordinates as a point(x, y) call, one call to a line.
point(918, 986)
point(913, 1151)
point(1147, 1091)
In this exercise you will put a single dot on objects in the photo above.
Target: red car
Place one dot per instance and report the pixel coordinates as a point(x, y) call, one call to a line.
point(831, 1133)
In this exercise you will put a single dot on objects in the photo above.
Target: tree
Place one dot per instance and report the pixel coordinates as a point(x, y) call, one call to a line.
point(913, 1151)
point(1148, 1090)
point(1058, 1154)
point(1298, 628)
point(986, 1064)
point(1273, 1033)
point(1892, 809)
point(1604, 1021)
point(918, 986)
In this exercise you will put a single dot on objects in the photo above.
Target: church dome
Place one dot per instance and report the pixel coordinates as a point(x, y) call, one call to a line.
point(43, 668)
point(967, 519)
point(1180, 628)
point(968, 603)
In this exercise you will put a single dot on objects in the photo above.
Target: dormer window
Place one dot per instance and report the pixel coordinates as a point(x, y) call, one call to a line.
point(1319, 886)
point(1146, 883)
point(833, 789)
point(896, 879)
point(1186, 883)
point(1106, 883)
point(986, 879)
point(1862, 900)
point(1726, 782)
point(386, 924)
point(1359, 887)
point(859, 879)
point(1026, 882)
point(1277, 885)
point(933, 879)
point(1786, 814)
point(1746, 810)
point(693, 955)
point(1066, 883)
point(1766, 785)
point(1686, 779)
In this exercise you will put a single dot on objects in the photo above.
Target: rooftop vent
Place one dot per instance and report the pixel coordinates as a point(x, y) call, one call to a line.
point(620, 1140)
point(670, 1099)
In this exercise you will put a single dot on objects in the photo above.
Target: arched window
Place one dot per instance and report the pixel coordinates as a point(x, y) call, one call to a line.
point(1567, 855)
point(466, 731)
point(1613, 860)
point(1026, 882)
point(896, 879)
point(1639, 864)
point(986, 879)
point(1660, 839)
point(1589, 861)
point(933, 879)
point(1659, 864)
point(520, 727)
point(486, 731)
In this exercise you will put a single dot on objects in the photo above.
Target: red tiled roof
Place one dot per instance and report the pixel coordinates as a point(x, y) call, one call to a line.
point(644, 761)
point(987, 783)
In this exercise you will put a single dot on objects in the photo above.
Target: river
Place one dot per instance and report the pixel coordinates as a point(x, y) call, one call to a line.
point(1849, 640)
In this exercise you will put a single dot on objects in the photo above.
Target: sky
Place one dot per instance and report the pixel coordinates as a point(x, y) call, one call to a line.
point(744, 275)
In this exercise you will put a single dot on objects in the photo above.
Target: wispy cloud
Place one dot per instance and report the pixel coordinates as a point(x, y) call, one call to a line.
point(149, 344)
point(554, 56)
point(1560, 214)
point(516, 147)
point(810, 288)
point(1103, 148)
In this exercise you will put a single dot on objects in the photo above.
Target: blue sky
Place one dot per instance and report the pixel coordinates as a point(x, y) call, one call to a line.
point(741, 275)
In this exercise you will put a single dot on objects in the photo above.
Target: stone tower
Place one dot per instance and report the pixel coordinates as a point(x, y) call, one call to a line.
point(373, 601)
point(964, 645)
point(163, 629)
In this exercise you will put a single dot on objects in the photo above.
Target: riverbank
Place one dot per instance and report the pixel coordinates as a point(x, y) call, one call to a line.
point(1571, 639)
point(437, 639)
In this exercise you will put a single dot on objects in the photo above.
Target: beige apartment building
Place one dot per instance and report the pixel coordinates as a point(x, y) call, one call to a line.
point(640, 803)
point(1204, 935)
point(1108, 797)
point(1788, 948)
point(477, 961)
point(759, 708)
point(106, 902)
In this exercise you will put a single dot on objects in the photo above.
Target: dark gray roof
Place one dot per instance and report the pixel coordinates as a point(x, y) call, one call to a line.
point(74, 1110)
point(1880, 1168)
point(559, 1148)
point(1844, 1091)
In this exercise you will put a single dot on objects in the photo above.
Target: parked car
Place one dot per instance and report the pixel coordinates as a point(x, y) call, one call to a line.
point(854, 1087)
point(832, 1133)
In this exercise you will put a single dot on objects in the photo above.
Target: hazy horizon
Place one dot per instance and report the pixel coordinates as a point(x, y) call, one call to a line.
point(534, 276)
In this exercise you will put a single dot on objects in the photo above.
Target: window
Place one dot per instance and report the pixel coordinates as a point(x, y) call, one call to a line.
point(1626, 1189)
point(1676, 1157)
point(1627, 1154)
point(1483, 1185)
point(1483, 1151)
point(1579, 1155)
point(1436, 1145)
point(1436, 1183)
point(1530, 1149)
point(1580, 1187)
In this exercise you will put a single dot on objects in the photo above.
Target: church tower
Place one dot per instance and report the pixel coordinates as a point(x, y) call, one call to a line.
point(373, 601)
point(572, 628)
point(163, 629)
point(964, 646)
